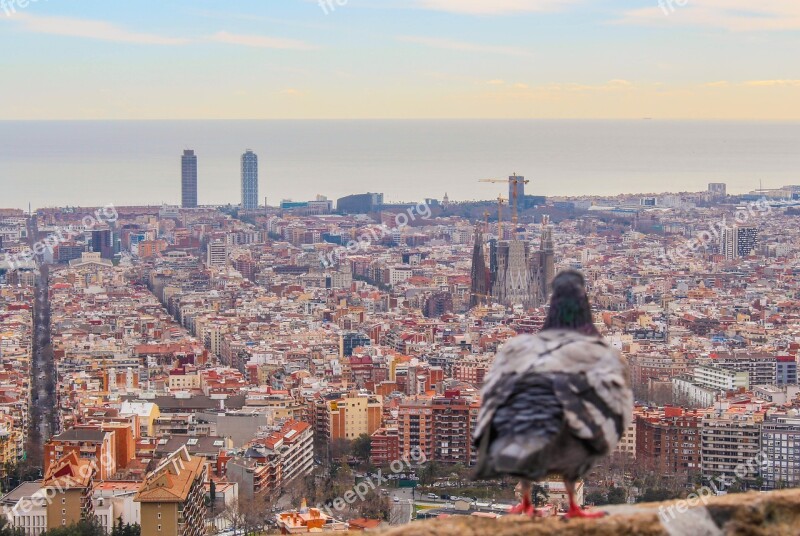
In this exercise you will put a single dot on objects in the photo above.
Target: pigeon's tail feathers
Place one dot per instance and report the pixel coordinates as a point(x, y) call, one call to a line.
point(522, 456)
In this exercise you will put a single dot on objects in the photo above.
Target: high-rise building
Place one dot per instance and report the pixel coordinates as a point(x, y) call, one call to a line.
point(736, 242)
point(746, 238)
point(189, 179)
point(103, 243)
point(249, 180)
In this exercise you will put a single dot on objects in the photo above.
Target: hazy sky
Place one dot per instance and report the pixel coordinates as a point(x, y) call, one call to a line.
point(251, 59)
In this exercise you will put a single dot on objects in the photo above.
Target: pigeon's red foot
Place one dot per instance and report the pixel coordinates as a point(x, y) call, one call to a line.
point(523, 509)
point(580, 513)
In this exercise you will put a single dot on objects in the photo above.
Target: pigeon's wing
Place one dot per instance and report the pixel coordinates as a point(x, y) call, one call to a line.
point(586, 376)
point(518, 358)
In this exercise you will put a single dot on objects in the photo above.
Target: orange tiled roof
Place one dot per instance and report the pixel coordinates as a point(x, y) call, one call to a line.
point(172, 479)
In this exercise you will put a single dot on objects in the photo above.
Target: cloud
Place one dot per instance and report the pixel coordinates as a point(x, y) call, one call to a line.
point(462, 46)
point(720, 83)
point(520, 86)
point(496, 82)
point(611, 85)
point(773, 83)
point(88, 29)
point(493, 7)
point(261, 41)
point(731, 15)
point(292, 92)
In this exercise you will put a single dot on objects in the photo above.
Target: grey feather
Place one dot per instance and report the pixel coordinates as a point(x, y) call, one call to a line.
point(553, 402)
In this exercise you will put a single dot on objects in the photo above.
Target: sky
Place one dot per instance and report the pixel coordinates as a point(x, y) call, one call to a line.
point(362, 59)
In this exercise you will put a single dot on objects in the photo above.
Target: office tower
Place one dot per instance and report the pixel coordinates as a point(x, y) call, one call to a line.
point(103, 243)
point(249, 181)
point(189, 179)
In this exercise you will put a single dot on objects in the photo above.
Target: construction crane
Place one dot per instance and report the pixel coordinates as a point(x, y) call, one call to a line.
point(514, 195)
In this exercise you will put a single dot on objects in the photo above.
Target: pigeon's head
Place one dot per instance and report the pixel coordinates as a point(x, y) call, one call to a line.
point(569, 306)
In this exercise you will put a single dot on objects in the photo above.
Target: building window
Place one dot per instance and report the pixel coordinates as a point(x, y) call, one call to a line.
point(159, 528)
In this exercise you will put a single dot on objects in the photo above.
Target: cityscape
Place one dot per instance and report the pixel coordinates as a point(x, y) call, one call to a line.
point(332, 266)
point(257, 352)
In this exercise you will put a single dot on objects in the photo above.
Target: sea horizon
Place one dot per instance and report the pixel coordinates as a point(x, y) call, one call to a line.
point(137, 162)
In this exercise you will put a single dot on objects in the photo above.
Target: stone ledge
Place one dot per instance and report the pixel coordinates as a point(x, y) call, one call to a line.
point(754, 514)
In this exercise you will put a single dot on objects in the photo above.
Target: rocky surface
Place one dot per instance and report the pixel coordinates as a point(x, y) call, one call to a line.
point(753, 514)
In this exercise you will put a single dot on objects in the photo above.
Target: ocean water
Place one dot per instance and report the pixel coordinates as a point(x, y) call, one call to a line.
point(129, 162)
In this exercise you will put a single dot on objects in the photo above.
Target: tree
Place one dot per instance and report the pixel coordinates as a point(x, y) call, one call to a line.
point(428, 473)
point(85, 527)
point(362, 447)
point(8, 530)
point(126, 529)
point(539, 495)
point(340, 449)
point(375, 506)
point(617, 496)
point(212, 496)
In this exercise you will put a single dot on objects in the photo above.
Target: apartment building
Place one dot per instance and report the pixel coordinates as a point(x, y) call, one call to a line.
point(668, 440)
point(86, 444)
point(438, 427)
point(172, 497)
point(385, 447)
point(731, 437)
point(350, 416)
point(780, 446)
point(68, 484)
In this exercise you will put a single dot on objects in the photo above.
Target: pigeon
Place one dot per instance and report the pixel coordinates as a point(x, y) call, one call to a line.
point(555, 402)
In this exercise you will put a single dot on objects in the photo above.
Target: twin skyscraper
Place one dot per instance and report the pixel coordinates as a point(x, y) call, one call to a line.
point(249, 170)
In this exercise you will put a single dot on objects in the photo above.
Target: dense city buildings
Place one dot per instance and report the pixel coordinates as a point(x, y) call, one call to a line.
point(259, 352)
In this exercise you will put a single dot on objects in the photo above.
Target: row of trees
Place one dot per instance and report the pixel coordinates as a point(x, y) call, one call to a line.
point(88, 527)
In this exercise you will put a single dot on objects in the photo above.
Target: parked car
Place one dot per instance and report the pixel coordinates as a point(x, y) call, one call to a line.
point(395, 499)
point(433, 496)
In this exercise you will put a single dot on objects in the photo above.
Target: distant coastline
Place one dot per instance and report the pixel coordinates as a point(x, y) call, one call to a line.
point(137, 162)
